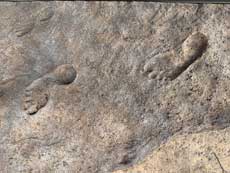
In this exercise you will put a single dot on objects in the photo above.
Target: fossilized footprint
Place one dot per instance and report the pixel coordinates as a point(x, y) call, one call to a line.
point(45, 14)
point(164, 66)
point(25, 27)
point(37, 93)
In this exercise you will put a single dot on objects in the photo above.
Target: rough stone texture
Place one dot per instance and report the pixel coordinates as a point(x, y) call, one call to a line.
point(197, 153)
point(93, 87)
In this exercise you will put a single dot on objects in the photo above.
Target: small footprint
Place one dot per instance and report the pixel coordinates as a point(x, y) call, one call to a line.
point(23, 29)
point(37, 93)
point(26, 27)
point(167, 67)
point(45, 14)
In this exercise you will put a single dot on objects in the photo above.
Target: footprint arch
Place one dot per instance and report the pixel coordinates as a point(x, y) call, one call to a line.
point(37, 93)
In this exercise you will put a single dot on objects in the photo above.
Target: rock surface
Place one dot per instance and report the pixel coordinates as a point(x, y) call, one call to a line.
point(93, 87)
point(206, 152)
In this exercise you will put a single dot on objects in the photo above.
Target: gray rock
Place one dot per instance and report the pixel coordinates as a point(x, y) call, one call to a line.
point(95, 86)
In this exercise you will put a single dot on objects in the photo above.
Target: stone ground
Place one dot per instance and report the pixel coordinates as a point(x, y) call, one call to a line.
point(94, 87)
point(206, 152)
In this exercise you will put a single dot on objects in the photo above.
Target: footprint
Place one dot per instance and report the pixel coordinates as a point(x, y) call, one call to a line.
point(26, 27)
point(37, 93)
point(45, 14)
point(23, 29)
point(167, 67)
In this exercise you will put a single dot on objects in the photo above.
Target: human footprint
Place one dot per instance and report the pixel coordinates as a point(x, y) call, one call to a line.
point(37, 93)
point(164, 65)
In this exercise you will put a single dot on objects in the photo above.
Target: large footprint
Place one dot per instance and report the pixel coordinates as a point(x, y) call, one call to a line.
point(37, 93)
point(164, 65)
